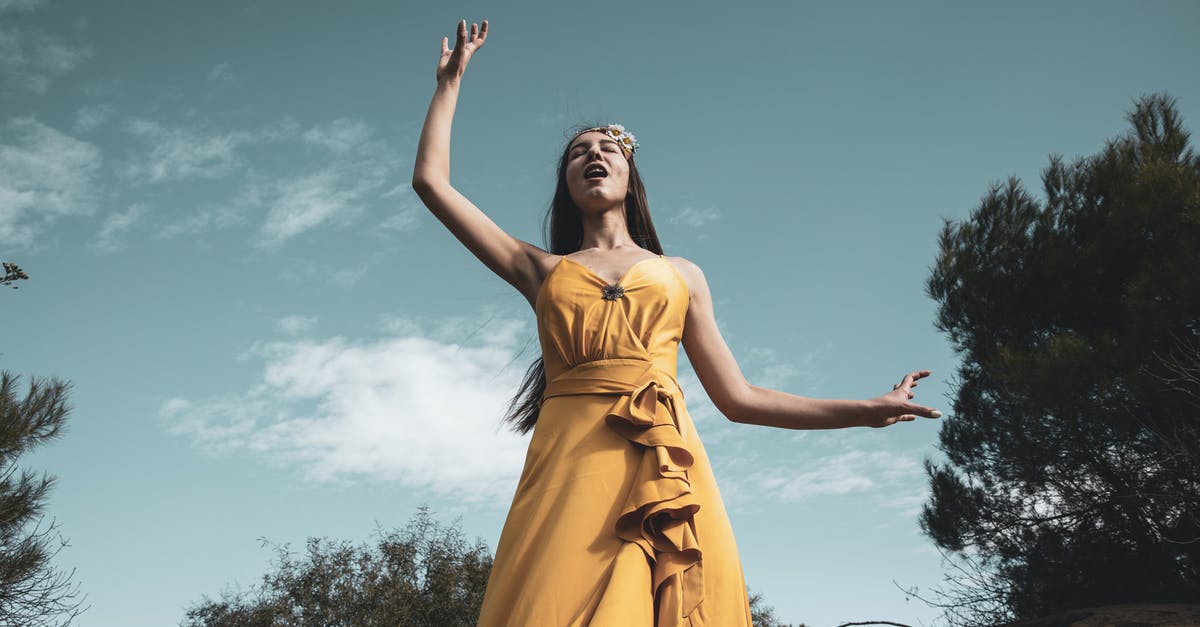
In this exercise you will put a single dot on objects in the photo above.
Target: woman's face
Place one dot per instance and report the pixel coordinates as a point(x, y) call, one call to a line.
point(597, 172)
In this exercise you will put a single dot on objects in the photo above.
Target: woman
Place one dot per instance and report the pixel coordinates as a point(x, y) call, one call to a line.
point(616, 520)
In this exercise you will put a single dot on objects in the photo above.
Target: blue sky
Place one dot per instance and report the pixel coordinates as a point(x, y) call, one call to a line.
point(270, 337)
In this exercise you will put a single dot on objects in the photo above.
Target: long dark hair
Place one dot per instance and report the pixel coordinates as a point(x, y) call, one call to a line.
point(563, 229)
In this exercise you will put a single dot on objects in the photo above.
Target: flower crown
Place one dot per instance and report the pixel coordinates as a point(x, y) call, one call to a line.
point(624, 138)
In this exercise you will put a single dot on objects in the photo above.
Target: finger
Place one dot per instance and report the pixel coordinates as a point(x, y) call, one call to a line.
point(921, 410)
point(445, 48)
point(474, 31)
point(483, 32)
point(462, 33)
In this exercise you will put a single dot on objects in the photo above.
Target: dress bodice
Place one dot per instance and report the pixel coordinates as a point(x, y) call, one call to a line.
point(581, 317)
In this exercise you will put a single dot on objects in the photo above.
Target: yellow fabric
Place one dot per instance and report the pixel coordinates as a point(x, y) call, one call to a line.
point(617, 520)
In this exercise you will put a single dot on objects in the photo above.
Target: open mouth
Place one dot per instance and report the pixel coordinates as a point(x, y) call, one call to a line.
point(595, 172)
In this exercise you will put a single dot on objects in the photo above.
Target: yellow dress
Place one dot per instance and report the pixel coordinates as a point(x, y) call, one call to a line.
point(616, 521)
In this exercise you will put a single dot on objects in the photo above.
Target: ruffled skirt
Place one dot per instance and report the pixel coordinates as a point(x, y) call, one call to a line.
point(617, 520)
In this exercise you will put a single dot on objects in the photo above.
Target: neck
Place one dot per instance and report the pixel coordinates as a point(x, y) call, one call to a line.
point(606, 229)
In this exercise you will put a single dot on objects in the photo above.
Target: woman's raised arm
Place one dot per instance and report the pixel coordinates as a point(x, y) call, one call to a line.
point(515, 261)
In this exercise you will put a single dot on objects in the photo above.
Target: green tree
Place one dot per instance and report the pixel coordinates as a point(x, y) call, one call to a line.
point(12, 274)
point(1072, 446)
point(762, 614)
point(32, 592)
point(424, 574)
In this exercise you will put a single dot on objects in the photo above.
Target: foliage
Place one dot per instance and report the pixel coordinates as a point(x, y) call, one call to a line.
point(763, 615)
point(424, 574)
point(1071, 477)
point(32, 592)
point(12, 274)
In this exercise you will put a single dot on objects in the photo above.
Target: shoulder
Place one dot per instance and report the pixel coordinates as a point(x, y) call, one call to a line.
point(692, 274)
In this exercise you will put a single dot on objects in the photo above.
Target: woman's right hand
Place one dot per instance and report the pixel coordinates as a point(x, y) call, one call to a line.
point(453, 63)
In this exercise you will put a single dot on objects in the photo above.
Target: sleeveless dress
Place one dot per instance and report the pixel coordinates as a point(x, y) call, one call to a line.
point(616, 520)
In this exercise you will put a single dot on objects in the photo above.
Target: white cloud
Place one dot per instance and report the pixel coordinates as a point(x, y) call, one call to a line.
point(295, 325)
point(339, 136)
point(908, 502)
point(879, 472)
point(334, 273)
point(402, 220)
point(410, 408)
point(202, 221)
point(44, 174)
point(30, 59)
point(309, 201)
point(89, 117)
point(115, 225)
point(335, 194)
point(19, 5)
point(222, 74)
point(694, 217)
point(346, 180)
point(405, 209)
point(178, 153)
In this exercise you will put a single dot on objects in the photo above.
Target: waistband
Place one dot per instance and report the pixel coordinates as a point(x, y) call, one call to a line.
point(616, 375)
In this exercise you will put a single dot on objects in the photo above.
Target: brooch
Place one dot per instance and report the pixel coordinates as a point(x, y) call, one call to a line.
point(613, 292)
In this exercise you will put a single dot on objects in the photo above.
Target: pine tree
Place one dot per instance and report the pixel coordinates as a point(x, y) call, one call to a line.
point(32, 592)
point(1072, 446)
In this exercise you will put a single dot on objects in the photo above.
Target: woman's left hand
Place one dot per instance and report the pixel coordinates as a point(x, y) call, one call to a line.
point(894, 406)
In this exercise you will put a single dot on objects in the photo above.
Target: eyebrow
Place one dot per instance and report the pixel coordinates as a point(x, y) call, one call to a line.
point(606, 139)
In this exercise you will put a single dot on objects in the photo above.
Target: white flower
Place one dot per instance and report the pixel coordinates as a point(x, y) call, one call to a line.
point(623, 137)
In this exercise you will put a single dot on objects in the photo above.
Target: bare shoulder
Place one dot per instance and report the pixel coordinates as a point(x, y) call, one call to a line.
point(707, 351)
point(692, 274)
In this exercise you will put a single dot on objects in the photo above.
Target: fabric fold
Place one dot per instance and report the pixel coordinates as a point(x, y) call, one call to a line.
point(658, 513)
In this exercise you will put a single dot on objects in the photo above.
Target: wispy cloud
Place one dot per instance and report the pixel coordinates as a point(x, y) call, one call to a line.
point(222, 74)
point(31, 59)
point(208, 219)
point(44, 174)
point(878, 472)
point(296, 325)
point(179, 153)
point(420, 408)
point(336, 194)
point(340, 273)
point(346, 172)
point(300, 204)
point(19, 5)
point(88, 118)
point(339, 136)
point(404, 208)
point(695, 217)
point(108, 239)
